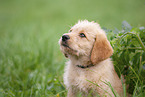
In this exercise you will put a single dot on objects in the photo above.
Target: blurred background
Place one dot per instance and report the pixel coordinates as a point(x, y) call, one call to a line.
point(31, 63)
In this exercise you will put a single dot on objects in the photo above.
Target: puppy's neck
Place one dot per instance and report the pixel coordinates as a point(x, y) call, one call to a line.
point(81, 61)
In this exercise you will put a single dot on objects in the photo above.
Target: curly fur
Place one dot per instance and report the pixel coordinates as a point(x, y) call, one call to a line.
point(94, 49)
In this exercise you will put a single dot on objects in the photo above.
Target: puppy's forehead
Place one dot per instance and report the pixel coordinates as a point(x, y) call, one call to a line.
point(85, 26)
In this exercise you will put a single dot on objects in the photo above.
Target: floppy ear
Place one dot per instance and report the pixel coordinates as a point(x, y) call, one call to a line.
point(101, 50)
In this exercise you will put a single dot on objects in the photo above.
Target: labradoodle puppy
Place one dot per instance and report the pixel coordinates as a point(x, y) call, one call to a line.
point(89, 71)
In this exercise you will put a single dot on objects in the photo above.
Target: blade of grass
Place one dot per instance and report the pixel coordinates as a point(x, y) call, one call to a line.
point(124, 87)
point(112, 89)
point(99, 87)
point(135, 73)
point(134, 92)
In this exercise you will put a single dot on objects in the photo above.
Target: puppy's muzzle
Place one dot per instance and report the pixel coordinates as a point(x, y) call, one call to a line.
point(65, 38)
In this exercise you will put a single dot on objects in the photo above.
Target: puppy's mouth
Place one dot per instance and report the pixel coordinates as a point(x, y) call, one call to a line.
point(66, 45)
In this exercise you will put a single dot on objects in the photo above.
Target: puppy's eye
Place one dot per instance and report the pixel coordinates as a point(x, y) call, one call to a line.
point(70, 30)
point(82, 35)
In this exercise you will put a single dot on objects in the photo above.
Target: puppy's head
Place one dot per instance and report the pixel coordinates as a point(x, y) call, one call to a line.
point(86, 39)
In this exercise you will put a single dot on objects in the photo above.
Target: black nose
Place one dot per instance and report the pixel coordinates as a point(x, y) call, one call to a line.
point(65, 37)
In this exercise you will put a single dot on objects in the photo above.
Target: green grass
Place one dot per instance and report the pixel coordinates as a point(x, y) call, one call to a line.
point(31, 64)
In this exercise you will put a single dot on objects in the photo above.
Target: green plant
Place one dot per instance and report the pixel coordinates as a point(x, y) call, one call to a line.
point(129, 56)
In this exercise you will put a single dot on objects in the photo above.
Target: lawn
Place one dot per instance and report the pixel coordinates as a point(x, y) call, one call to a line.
point(31, 64)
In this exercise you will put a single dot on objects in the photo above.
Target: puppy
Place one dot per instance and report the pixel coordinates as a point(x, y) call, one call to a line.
point(89, 70)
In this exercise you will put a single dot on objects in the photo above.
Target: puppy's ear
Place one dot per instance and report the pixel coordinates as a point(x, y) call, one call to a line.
point(101, 50)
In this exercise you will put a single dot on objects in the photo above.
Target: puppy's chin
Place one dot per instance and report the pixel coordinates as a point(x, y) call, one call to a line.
point(68, 51)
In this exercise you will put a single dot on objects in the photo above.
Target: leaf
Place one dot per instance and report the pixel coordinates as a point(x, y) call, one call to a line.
point(136, 59)
point(126, 56)
point(143, 56)
point(132, 50)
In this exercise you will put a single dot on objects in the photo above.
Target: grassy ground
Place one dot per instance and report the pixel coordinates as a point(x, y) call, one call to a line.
point(31, 64)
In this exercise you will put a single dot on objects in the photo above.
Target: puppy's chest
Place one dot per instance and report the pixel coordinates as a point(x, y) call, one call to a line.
point(81, 80)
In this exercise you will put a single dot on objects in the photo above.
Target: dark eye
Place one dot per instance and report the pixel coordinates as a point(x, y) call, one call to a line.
point(70, 30)
point(82, 35)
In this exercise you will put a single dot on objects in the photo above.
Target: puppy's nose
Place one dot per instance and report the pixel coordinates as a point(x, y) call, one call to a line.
point(65, 37)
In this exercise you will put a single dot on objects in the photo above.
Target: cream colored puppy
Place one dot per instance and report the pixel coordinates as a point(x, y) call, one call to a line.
point(89, 68)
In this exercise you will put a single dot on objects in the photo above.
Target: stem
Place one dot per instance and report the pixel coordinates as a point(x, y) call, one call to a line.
point(126, 34)
point(133, 48)
point(141, 43)
point(140, 64)
point(137, 37)
point(135, 73)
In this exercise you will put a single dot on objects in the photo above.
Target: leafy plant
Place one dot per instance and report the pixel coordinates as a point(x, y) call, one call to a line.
point(129, 56)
